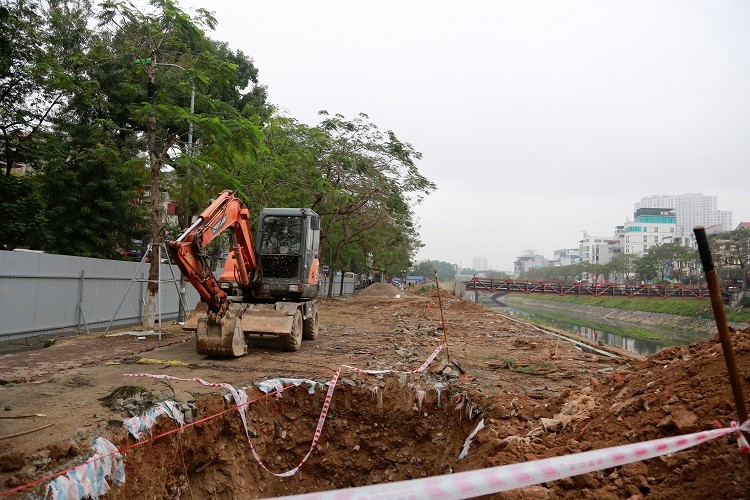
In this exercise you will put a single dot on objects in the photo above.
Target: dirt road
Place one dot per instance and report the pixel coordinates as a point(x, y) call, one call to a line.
point(539, 396)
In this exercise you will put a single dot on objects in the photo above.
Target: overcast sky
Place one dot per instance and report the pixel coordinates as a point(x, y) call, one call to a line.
point(537, 120)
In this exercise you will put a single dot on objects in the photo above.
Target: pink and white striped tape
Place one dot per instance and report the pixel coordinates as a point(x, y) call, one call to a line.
point(240, 399)
point(507, 477)
point(422, 368)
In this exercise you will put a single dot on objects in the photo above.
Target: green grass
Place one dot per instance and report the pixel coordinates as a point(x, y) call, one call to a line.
point(695, 308)
point(548, 318)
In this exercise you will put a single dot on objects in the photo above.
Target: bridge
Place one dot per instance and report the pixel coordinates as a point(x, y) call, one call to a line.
point(499, 286)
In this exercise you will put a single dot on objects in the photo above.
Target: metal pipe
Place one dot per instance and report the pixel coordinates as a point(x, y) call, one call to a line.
point(190, 229)
point(158, 289)
point(80, 301)
point(721, 321)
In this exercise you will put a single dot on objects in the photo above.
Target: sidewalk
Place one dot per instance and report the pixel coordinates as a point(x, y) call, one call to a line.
point(72, 352)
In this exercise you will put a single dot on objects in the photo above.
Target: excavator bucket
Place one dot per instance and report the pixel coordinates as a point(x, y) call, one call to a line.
point(225, 337)
point(220, 336)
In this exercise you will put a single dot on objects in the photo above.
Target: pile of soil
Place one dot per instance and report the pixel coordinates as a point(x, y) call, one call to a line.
point(379, 290)
point(679, 390)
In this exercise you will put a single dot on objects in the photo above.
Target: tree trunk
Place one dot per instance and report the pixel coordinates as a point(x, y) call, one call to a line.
point(157, 233)
point(341, 286)
point(8, 156)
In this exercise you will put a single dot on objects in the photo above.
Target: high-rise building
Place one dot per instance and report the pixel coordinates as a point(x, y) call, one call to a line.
point(479, 263)
point(651, 227)
point(691, 209)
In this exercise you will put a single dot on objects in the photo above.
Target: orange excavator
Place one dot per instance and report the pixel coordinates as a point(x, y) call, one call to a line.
point(263, 291)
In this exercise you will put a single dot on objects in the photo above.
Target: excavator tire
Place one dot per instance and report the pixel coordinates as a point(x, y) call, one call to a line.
point(223, 339)
point(310, 326)
point(293, 341)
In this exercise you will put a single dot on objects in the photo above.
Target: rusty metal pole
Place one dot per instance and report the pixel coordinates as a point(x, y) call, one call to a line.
point(721, 321)
point(442, 319)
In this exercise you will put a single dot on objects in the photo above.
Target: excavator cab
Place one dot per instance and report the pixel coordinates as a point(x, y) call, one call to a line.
point(288, 243)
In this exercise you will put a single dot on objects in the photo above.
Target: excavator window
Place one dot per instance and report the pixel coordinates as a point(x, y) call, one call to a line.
point(281, 235)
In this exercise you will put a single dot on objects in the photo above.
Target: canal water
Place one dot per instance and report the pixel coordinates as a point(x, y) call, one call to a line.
point(611, 337)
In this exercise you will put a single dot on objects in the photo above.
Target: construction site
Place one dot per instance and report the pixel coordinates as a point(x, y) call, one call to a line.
point(398, 391)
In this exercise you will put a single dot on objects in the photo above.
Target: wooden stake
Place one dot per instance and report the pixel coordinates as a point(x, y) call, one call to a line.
point(442, 319)
point(721, 322)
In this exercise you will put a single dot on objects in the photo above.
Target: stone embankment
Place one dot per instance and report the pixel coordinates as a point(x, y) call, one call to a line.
point(690, 329)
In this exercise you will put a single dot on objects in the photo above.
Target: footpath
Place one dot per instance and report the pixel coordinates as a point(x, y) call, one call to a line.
point(71, 352)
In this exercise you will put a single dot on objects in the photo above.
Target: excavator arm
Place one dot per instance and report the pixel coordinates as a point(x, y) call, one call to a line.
point(226, 213)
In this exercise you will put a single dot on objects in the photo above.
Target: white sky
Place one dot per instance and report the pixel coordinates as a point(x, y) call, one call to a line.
point(536, 119)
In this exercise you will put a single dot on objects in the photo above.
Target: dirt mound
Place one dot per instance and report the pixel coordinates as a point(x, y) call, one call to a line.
point(379, 290)
point(680, 390)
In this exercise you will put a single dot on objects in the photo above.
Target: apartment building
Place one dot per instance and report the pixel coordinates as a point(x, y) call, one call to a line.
point(595, 249)
point(652, 226)
point(479, 263)
point(528, 261)
point(567, 256)
point(691, 209)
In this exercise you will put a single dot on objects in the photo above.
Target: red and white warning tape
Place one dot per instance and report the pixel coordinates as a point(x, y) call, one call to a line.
point(422, 368)
point(507, 477)
point(240, 399)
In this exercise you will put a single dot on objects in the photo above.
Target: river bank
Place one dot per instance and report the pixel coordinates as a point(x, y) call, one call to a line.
point(666, 328)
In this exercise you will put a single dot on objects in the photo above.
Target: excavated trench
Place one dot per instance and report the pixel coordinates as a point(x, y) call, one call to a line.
point(376, 431)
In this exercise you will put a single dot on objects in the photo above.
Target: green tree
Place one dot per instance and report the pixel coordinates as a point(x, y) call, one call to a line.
point(29, 89)
point(732, 254)
point(621, 267)
point(645, 268)
point(427, 268)
point(24, 219)
point(90, 178)
point(667, 258)
point(368, 177)
point(162, 43)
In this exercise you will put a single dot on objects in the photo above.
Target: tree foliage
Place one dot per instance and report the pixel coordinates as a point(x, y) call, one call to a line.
point(427, 269)
point(732, 254)
point(98, 102)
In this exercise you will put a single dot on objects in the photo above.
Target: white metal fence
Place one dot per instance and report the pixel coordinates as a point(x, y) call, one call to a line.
point(348, 289)
point(43, 293)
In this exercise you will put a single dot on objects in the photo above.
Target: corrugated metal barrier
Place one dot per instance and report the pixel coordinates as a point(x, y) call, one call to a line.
point(44, 293)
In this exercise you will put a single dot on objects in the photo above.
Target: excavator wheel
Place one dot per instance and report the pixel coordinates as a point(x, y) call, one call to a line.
point(293, 341)
point(224, 339)
point(310, 326)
